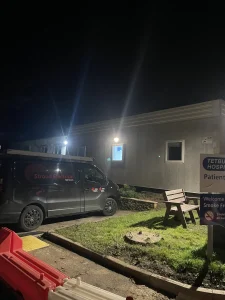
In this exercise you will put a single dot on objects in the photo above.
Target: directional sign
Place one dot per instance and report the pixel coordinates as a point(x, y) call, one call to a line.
point(212, 209)
point(212, 173)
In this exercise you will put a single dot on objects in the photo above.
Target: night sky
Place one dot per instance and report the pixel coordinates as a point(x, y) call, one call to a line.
point(62, 68)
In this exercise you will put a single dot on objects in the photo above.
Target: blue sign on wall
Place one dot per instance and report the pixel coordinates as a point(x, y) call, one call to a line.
point(214, 163)
point(212, 209)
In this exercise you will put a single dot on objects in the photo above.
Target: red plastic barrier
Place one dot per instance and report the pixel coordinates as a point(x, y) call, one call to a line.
point(9, 241)
point(23, 272)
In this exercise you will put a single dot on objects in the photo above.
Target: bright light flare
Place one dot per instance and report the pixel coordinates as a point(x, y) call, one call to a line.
point(116, 139)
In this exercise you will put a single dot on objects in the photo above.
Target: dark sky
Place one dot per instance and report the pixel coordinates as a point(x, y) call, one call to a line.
point(62, 67)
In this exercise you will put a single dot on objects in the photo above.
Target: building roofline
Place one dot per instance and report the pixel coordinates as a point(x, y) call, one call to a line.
point(188, 112)
point(213, 108)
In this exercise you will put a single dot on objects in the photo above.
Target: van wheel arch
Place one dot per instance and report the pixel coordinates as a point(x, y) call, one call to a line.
point(116, 199)
point(113, 197)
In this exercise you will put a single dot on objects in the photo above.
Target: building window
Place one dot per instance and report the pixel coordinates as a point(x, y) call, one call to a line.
point(175, 151)
point(44, 149)
point(117, 152)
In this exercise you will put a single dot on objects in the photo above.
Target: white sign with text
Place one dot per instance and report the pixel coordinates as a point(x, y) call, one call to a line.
point(212, 173)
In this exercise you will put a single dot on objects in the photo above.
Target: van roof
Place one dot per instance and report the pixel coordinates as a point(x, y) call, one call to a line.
point(47, 155)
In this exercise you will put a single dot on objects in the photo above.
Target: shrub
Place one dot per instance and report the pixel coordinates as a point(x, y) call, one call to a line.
point(216, 271)
point(129, 191)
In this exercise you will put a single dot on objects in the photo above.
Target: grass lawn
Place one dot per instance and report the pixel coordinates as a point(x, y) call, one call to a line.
point(180, 254)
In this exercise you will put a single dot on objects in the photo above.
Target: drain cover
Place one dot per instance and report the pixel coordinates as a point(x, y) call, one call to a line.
point(142, 237)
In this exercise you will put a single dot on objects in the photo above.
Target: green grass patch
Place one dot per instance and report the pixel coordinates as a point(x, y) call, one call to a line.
point(183, 250)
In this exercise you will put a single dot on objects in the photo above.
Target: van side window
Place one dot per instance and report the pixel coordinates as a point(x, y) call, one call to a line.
point(92, 174)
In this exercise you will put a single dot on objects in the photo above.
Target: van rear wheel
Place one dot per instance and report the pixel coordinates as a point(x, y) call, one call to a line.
point(31, 218)
point(110, 207)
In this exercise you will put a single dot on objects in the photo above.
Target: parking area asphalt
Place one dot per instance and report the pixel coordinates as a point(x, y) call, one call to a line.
point(79, 219)
point(75, 265)
point(62, 222)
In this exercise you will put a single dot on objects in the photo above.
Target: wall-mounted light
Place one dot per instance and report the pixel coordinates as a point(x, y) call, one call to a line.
point(65, 142)
point(116, 139)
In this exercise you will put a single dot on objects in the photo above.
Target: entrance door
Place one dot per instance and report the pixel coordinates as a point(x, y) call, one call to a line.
point(95, 188)
point(65, 194)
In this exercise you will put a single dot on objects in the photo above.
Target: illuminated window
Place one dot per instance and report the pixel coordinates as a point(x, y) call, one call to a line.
point(175, 151)
point(117, 152)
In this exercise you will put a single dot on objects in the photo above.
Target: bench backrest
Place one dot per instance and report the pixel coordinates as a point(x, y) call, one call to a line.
point(175, 195)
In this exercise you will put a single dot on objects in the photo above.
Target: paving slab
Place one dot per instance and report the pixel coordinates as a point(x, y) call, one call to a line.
point(75, 265)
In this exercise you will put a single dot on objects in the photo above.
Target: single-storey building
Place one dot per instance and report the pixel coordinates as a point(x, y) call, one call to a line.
point(158, 150)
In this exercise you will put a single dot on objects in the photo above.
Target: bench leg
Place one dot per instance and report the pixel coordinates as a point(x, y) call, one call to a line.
point(192, 217)
point(181, 217)
point(198, 211)
point(176, 217)
point(167, 214)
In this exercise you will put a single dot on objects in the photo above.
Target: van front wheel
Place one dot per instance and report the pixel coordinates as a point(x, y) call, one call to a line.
point(31, 218)
point(110, 207)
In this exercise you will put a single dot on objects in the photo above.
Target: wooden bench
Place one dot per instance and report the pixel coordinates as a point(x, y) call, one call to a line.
point(177, 203)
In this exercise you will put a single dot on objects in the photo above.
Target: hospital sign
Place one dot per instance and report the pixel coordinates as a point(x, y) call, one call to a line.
point(212, 173)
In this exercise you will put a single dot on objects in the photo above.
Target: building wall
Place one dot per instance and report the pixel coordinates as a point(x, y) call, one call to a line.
point(145, 153)
point(145, 137)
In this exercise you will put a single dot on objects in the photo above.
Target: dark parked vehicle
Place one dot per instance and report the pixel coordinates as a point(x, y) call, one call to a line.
point(35, 186)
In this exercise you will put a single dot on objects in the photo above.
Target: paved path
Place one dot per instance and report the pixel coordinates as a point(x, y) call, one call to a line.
point(56, 223)
point(74, 265)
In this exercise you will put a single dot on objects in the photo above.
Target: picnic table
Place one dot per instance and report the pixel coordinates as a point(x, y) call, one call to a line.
point(177, 203)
